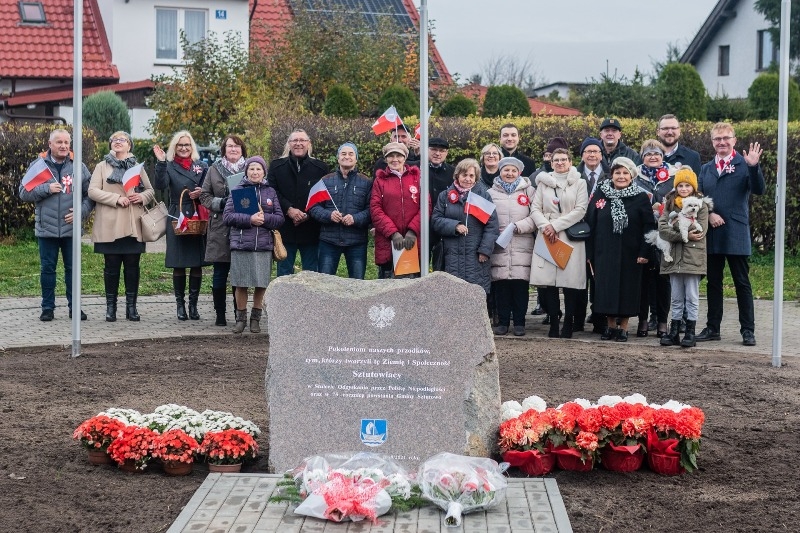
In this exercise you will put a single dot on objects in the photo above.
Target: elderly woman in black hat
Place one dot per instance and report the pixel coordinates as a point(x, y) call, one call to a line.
point(619, 215)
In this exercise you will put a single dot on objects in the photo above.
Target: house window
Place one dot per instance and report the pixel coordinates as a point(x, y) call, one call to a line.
point(767, 50)
point(32, 13)
point(169, 24)
point(724, 67)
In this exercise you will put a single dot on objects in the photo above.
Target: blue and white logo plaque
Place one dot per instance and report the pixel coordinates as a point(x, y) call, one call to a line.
point(373, 431)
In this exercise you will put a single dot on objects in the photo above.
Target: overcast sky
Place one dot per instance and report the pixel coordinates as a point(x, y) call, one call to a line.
point(565, 40)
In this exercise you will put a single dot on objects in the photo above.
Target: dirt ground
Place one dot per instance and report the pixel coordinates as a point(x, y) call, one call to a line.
point(749, 465)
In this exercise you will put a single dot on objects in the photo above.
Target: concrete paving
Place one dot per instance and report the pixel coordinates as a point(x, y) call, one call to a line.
point(240, 503)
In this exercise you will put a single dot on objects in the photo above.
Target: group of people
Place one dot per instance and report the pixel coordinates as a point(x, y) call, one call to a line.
point(494, 222)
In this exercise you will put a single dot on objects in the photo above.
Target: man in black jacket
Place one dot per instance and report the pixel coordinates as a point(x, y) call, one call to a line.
point(669, 132)
point(509, 142)
point(293, 176)
point(613, 147)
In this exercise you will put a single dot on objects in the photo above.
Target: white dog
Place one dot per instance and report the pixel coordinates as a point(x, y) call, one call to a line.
point(687, 221)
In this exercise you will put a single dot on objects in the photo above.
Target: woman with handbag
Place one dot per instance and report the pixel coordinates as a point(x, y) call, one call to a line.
point(214, 196)
point(560, 203)
point(251, 241)
point(117, 231)
point(180, 170)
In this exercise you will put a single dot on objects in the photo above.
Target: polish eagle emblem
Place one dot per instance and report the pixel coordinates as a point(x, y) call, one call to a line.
point(381, 316)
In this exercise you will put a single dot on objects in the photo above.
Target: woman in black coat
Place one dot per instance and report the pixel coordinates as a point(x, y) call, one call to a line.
point(180, 169)
point(619, 214)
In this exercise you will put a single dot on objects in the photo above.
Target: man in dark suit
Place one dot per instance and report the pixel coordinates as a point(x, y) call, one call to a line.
point(729, 179)
point(669, 132)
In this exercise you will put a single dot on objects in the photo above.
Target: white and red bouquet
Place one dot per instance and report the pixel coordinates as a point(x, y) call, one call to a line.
point(460, 484)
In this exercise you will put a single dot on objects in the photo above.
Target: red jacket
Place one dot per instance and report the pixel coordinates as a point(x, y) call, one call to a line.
point(394, 208)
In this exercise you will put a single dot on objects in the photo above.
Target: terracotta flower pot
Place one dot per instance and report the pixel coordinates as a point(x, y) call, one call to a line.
point(622, 458)
point(129, 466)
point(225, 469)
point(177, 468)
point(665, 464)
point(99, 457)
point(531, 462)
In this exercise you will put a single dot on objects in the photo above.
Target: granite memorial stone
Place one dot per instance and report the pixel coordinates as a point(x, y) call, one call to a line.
point(405, 368)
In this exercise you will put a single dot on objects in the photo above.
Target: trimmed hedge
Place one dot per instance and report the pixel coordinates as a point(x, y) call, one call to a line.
point(466, 137)
point(22, 143)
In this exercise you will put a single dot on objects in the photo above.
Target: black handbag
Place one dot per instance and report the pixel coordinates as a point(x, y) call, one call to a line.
point(580, 231)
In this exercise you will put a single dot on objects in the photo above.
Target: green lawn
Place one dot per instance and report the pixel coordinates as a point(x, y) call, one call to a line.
point(19, 265)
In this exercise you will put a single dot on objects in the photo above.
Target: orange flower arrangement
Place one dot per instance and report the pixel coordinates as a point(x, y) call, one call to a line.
point(98, 432)
point(228, 447)
point(175, 446)
point(133, 443)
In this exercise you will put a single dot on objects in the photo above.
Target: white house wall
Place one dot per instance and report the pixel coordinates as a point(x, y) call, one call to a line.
point(131, 30)
point(741, 34)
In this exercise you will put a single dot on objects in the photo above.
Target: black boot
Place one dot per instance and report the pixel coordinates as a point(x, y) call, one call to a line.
point(566, 330)
point(553, 333)
point(688, 339)
point(131, 293)
point(179, 286)
point(220, 305)
point(194, 294)
point(672, 338)
point(111, 282)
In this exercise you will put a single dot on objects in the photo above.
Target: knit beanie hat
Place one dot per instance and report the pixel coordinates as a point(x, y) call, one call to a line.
point(626, 163)
point(557, 142)
point(591, 141)
point(510, 161)
point(686, 175)
point(256, 159)
point(347, 145)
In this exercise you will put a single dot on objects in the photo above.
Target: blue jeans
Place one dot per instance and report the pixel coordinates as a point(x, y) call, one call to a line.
point(308, 258)
point(355, 256)
point(220, 278)
point(48, 257)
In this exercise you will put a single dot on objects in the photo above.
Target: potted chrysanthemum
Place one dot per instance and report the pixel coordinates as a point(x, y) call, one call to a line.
point(96, 434)
point(673, 441)
point(575, 440)
point(525, 442)
point(226, 450)
point(132, 449)
point(176, 450)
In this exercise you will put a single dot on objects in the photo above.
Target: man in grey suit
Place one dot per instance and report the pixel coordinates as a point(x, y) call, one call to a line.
point(729, 179)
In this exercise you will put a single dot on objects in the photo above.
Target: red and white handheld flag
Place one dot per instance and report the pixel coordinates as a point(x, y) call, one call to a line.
point(389, 121)
point(479, 207)
point(418, 131)
point(36, 175)
point(318, 193)
point(132, 177)
point(183, 222)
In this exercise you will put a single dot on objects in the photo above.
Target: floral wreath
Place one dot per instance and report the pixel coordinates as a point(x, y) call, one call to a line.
point(523, 200)
point(452, 196)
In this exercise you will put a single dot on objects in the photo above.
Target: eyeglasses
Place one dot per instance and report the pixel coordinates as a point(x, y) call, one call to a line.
point(183, 145)
point(653, 154)
point(669, 128)
point(591, 152)
point(560, 160)
point(298, 141)
point(491, 154)
point(722, 139)
point(119, 140)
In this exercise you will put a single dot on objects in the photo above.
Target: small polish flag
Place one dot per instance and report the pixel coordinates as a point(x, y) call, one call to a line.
point(183, 223)
point(318, 193)
point(479, 207)
point(387, 122)
point(36, 175)
point(417, 131)
point(132, 177)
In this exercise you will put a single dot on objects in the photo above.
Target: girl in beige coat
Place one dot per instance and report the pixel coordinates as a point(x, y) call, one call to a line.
point(511, 266)
point(560, 201)
point(117, 232)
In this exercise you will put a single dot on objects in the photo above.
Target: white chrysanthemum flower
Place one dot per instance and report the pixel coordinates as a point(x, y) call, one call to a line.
point(509, 412)
point(609, 401)
point(676, 406)
point(175, 411)
point(130, 417)
point(512, 404)
point(583, 402)
point(156, 421)
point(535, 403)
point(635, 398)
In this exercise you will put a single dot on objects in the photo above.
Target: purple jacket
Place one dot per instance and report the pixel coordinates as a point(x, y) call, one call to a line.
point(246, 237)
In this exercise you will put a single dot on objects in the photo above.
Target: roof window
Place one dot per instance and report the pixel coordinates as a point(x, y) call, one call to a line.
point(32, 12)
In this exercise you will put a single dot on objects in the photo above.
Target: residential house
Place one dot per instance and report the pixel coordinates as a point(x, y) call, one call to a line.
point(561, 88)
point(477, 93)
point(731, 48)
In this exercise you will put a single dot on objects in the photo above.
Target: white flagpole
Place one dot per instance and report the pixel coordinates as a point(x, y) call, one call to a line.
point(77, 175)
point(424, 238)
point(780, 215)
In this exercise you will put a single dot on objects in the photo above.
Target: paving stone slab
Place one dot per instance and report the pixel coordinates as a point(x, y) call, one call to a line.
point(238, 503)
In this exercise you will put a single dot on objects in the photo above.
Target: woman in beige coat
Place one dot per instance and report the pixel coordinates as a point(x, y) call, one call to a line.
point(117, 232)
point(511, 265)
point(560, 201)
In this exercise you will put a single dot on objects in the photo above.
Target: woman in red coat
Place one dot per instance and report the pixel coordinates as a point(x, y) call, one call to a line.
point(395, 207)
